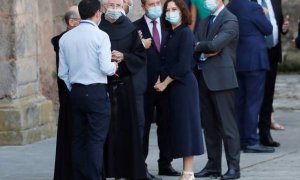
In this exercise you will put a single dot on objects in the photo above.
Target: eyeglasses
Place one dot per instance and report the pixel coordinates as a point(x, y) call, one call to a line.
point(76, 19)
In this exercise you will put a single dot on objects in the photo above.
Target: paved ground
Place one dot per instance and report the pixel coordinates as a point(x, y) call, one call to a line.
point(36, 161)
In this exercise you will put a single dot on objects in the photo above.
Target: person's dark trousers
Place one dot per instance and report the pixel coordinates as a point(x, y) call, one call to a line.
point(218, 119)
point(63, 158)
point(248, 103)
point(159, 102)
point(140, 114)
point(266, 110)
point(91, 117)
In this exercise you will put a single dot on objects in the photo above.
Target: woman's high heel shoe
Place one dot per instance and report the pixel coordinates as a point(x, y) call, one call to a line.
point(185, 175)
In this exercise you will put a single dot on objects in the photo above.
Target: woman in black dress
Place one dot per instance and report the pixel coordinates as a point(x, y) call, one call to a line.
point(177, 77)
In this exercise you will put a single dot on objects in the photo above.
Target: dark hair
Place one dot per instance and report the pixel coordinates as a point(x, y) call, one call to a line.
point(88, 8)
point(185, 13)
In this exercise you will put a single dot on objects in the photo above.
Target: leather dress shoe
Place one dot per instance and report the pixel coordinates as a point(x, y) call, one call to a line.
point(231, 174)
point(152, 177)
point(267, 140)
point(168, 171)
point(208, 173)
point(258, 148)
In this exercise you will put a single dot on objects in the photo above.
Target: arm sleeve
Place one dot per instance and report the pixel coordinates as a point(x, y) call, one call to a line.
point(185, 57)
point(63, 68)
point(106, 66)
point(229, 30)
point(136, 59)
point(260, 20)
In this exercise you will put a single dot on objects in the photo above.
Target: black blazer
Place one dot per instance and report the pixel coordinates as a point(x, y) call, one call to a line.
point(154, 61)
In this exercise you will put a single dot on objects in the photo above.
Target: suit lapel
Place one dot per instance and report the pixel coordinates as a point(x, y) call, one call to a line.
point(215, 26)
point(203, 30)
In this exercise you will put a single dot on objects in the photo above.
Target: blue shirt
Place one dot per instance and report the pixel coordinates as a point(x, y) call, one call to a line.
point(85, 55)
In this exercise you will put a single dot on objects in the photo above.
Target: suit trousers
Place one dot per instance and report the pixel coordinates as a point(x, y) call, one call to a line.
point(248, 103)
point(219, 123)
point(156, 101)
point(266, 110)
point(91, 117)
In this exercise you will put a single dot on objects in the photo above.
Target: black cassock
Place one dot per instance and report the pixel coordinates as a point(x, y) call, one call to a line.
point(62, 170)
point(123, 150)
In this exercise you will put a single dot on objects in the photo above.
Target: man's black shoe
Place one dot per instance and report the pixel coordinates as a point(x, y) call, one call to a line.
point(231, 174)
point(168, 171)
point(258, 148)
point(208, 173)
point(267, 140)
point(152, 177)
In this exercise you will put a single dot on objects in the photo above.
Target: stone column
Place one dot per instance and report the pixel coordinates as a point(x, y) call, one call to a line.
point(26, 115)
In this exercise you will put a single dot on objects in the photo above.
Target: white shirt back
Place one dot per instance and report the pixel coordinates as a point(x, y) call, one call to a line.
point(85, 55)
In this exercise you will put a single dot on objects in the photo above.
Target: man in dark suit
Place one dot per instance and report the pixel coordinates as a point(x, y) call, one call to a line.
point(151, 30)
point(252, 64)
point(273, 11)
point(215, 52)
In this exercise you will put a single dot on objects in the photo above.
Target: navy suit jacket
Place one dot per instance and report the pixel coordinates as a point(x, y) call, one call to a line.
point(252, 51)
point(154, 61)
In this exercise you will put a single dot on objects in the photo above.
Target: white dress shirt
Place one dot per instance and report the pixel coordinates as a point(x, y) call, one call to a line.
point(150, 25)
point(272, 20)
point(85, 55)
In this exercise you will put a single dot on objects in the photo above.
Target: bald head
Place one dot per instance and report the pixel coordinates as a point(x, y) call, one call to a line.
point(72, 17)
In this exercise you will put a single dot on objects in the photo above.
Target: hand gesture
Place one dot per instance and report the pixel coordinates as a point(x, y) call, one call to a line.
point(117, 56)
point(147, 43)
point(160, 87)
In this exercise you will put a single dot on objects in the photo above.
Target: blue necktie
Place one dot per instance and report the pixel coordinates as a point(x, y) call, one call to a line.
point(210, 23)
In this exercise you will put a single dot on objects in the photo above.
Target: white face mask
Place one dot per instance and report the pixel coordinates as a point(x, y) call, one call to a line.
point(113, 14)
point(211, 5)
point(174, 17)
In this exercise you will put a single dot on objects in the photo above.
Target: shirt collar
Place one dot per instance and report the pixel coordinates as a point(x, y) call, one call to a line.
point(218, 11)
point(148, 20)
point(88, 22)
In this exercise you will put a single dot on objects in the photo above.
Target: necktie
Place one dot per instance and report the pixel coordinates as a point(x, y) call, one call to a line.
point(210, 23)
point(155, 35)
point(269, 38)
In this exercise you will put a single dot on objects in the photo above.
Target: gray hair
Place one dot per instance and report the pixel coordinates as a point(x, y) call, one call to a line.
point(70, 15)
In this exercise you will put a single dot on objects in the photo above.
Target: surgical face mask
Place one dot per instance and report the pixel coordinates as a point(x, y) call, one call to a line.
point(211, 5)
point(113, 14)
point(154, 12)
point(173, 17)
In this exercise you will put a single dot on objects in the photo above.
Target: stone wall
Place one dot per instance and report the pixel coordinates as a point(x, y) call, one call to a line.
point(291, 58)
point(25, 114)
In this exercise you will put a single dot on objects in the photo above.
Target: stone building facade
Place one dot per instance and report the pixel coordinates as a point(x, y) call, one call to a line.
point(28, 91)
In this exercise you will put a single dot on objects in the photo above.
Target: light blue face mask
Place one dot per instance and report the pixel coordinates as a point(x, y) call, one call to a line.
point(113, 14)
point(210, 5)
point(154, 12)
point(173, 17)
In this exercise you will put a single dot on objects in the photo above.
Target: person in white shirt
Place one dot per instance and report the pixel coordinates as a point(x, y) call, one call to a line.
point(85, 63)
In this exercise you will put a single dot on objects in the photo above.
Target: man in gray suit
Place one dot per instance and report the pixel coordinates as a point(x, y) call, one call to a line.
point(215, 53)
